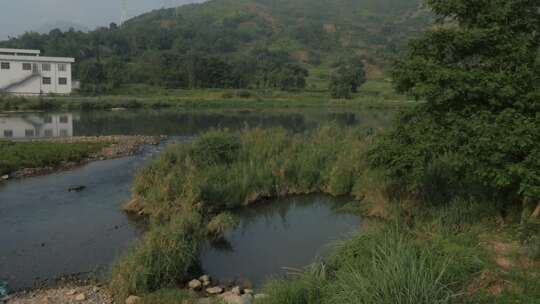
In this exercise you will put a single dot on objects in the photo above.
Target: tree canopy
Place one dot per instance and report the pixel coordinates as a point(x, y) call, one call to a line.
point(477, 72)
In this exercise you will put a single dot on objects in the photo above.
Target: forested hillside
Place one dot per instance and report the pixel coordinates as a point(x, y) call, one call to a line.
point(234, 43)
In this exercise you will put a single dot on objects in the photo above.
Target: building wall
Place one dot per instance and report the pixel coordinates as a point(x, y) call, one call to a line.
point(35, 85)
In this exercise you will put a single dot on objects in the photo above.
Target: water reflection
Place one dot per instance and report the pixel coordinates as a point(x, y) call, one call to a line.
point(276, 235)
point(36, 126)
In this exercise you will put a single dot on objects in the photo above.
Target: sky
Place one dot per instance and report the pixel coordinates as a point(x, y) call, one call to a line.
point(19, 16)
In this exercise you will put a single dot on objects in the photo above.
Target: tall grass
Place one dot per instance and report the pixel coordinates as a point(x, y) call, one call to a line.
point(224, 170)
point(388, 267)
point(162, 258)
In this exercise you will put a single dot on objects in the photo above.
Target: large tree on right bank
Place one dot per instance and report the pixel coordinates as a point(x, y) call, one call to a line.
point(477, 131)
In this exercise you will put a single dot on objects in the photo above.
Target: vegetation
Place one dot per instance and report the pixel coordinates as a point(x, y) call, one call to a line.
point(20, 155)
point(231, 44)
point(451, 192)
point(161, 259)
point(374, 93)
point(348, 77)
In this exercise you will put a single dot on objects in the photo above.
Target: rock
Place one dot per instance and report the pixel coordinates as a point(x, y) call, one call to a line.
point(195, 284)
point(205, 278)
point(46, 300)
point(248, 291)
point(5, 177)
point(214, 290)
point(232, 298)
point(80, 297)
point(206, 284)
point(236, 290)
point(71, 292)
point(76, 188)
point(134, 300)
point(260, 296)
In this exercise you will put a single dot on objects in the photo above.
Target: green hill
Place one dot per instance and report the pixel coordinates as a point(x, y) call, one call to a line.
point(220, 35)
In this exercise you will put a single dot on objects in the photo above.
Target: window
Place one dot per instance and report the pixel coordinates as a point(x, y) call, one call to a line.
point(64, 119)
point(47, 119)
point(47, 80)
point(64, 133)
point(48, 133)
point(27, 67)
point(4, 65)
point(46, 67)
point(29, 133)
point(62, 67)
point(62, 81)
point(8, 133)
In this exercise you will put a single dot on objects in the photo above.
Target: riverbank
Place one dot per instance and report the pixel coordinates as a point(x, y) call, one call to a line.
point(28, 158)
point(376, 93)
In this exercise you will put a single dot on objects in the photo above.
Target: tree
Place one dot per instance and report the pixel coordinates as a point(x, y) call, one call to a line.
point(347, 78)
point(477, 72)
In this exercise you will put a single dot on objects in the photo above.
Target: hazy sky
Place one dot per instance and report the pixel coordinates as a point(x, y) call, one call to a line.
point(18, 16)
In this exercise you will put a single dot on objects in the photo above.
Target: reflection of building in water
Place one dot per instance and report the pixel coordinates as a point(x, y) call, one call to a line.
point(35, 126)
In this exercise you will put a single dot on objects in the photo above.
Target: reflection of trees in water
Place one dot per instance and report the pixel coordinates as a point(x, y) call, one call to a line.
point(151, 122)
point(221, 244)
point(180, 123)
point(270, 211)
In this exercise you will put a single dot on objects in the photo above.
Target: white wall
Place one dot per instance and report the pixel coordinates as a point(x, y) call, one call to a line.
point(35, 85)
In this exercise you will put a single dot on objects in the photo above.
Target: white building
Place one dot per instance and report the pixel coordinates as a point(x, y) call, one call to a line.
point(25, 72)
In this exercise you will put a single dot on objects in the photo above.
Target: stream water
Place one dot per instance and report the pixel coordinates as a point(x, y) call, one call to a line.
point(47, 232)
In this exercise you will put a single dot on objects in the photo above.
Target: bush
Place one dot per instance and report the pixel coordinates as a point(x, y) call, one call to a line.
point(161, 259)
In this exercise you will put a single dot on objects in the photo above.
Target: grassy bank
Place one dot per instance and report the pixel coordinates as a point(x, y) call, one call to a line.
point(375, 93)
point(20, 155)
point(409, 251)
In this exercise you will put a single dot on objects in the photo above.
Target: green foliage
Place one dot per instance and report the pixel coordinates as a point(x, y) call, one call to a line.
point(161, 259)
point(225, 170)
point(307, 288)
point(20, 155)
point(477, 74)
point(210, 45)
point(347, 78)
point(389, 267)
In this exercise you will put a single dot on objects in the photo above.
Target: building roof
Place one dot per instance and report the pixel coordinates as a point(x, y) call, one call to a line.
point(20, 51)
point(30, 56)
point(37, 59)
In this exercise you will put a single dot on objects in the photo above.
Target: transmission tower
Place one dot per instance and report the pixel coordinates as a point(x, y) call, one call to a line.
point(124, 16)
